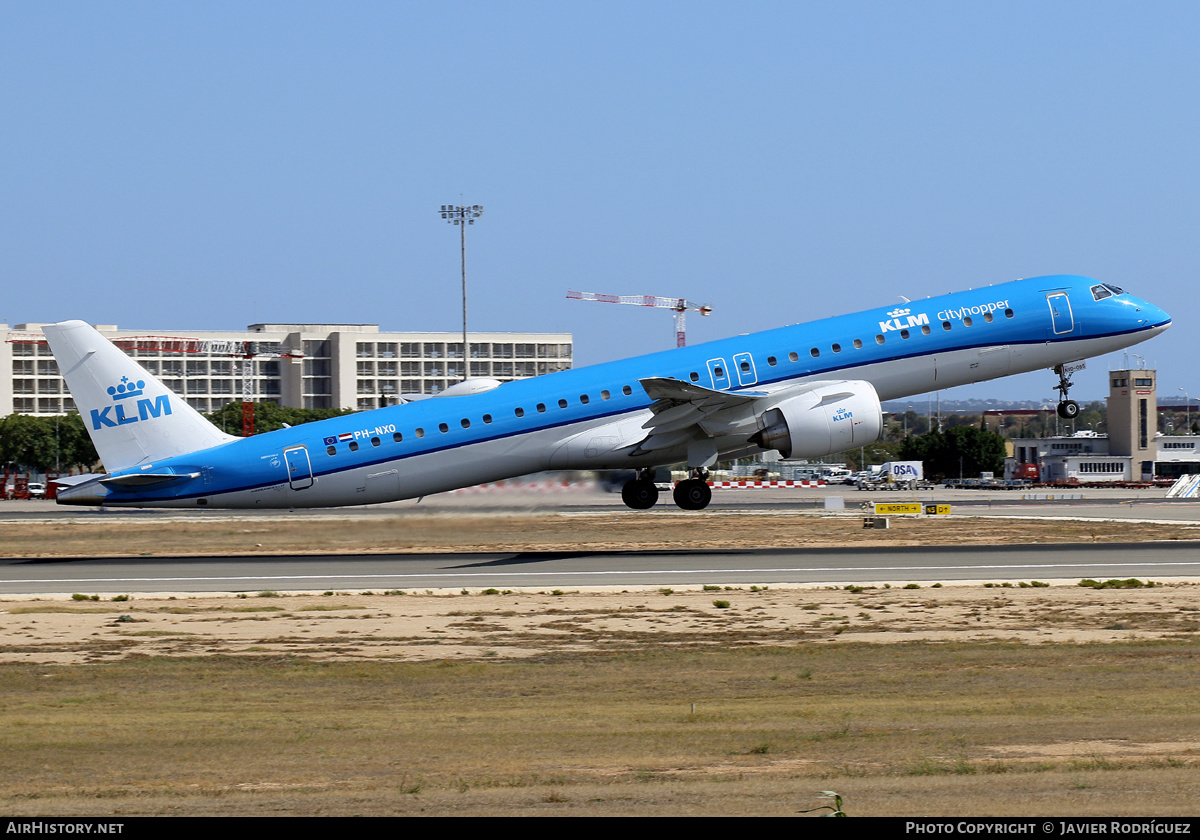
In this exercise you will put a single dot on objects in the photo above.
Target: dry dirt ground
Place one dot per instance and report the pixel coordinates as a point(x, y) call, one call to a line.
point(522, 624)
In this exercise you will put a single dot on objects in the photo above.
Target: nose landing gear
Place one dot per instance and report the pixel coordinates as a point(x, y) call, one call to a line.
point(1067, 409)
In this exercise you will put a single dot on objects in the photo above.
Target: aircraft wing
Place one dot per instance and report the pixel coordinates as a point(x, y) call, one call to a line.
point(684, 412)
point(709, 422)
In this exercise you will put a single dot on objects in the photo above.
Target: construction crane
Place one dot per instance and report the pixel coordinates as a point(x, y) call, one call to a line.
point(244, 351)
point(679, 305)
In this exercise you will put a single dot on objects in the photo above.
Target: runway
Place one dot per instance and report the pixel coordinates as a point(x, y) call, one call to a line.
point(571, 570)
point(715, 565)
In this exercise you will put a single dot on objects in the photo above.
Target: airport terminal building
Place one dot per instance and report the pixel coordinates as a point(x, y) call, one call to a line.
point(296, 365)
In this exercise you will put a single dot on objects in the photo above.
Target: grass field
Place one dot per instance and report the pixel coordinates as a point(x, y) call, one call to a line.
point(900, 729)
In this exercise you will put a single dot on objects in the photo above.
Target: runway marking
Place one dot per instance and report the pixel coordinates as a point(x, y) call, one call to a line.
point(614, 572)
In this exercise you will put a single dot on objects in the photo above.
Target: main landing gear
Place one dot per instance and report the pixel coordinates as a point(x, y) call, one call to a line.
point(692, 493)
point(1067, 409)
point(640, 493)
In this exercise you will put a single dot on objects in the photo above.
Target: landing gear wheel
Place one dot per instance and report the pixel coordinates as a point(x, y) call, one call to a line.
point(639, 494)
point(1068, 409)
point(692, 494)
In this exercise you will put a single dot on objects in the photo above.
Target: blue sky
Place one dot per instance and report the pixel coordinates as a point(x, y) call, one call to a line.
point(181, 166)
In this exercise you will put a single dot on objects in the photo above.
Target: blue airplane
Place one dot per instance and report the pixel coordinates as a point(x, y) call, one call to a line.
point(806, 390)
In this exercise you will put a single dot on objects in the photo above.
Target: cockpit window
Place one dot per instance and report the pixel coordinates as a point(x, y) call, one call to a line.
point(1116, 290)
point(1101, 292)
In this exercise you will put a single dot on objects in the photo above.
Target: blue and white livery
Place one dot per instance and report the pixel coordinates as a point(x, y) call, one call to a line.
point(806, 390)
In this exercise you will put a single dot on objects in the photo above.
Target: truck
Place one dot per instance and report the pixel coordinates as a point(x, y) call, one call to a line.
point(897, 475)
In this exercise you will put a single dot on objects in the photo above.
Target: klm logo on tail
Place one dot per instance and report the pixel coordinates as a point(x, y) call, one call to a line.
point(125, 390)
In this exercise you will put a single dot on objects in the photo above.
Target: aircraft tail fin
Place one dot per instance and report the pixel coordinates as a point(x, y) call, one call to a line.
point(131, 416)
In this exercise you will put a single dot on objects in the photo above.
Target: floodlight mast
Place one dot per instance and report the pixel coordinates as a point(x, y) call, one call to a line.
point(462, 216)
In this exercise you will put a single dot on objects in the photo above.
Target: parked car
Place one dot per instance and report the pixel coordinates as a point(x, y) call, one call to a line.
point(37, 490)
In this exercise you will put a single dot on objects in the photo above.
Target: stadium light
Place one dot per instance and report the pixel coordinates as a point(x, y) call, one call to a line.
point(463, 216)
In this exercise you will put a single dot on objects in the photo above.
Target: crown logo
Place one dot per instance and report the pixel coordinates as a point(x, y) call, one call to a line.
point(126, 389)
point(896, 313)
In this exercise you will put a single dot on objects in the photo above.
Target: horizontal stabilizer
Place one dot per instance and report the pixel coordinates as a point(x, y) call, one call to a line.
point(144, 479)
point(72, 480)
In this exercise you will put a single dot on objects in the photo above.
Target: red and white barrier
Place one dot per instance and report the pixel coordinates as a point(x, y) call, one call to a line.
point(762, 485)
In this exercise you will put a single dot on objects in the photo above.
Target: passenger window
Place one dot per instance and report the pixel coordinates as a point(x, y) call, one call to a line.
point(420, 433)
point(443, 428)
point(562, 403)
point(520, 412)
point(583, 398)
point(541, 407)
point(837, 348)
point(695, 377)
point(967, 321)
point(374, 441)
point(487, 418)
point(397, 437)
point(466, 424)
point(771, 361)
point(945, 325)
point(814, 352)
point(925, 329)
point(792, 357)
point(904, 333)
point(1008, 313)
point(626, 390)
point(858, 344)
point(987, 316)
point(605, 395)
point(353, 446)
point(879, 339)
point(332, 450)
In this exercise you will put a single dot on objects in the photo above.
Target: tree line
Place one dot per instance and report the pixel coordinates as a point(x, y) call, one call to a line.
point(45, 444)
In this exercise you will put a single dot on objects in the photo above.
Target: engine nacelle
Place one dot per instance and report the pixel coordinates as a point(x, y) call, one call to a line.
point(832, 417)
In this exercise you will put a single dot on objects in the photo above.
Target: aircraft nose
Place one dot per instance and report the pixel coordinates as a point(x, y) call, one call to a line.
point(1153, 316)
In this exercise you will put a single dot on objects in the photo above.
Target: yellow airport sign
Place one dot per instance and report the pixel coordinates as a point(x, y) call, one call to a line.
point(885, 508)
point(898, 508)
